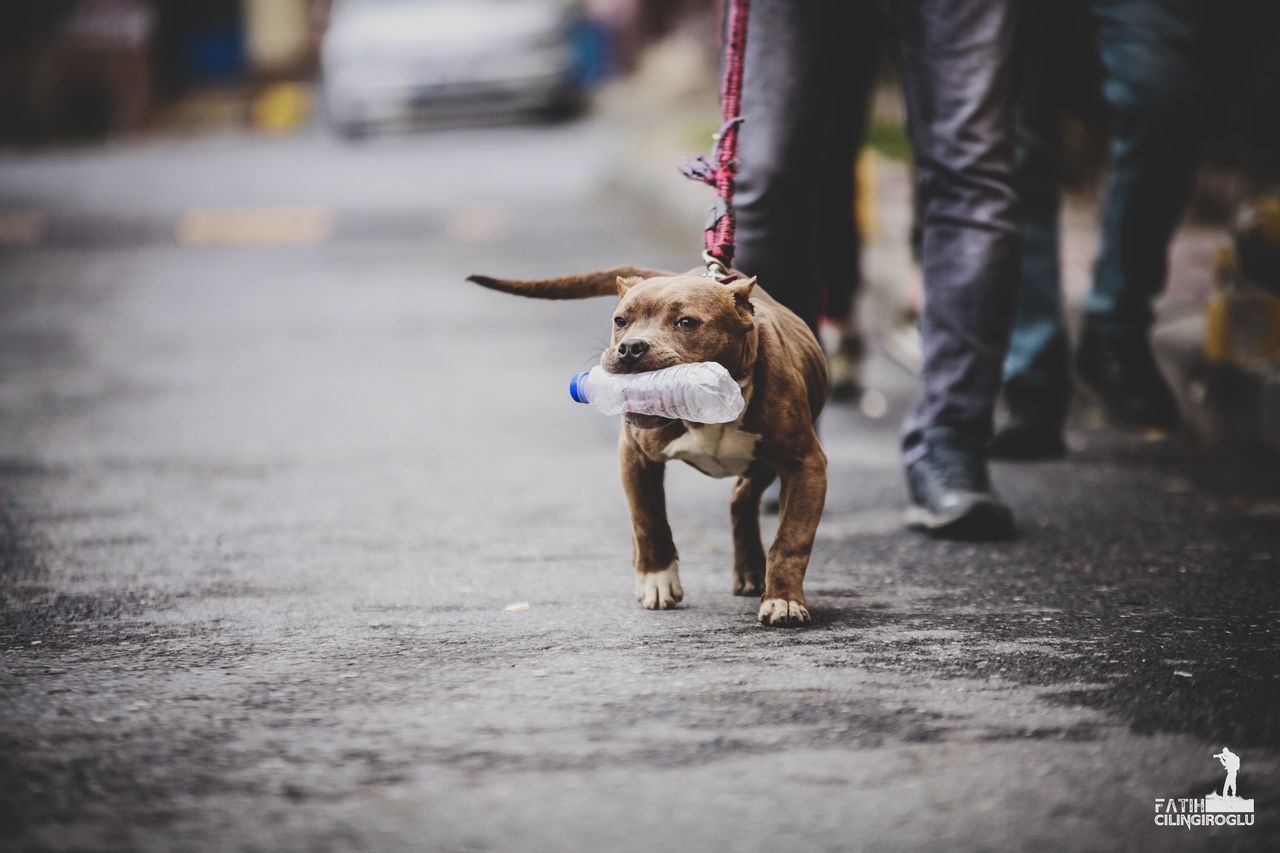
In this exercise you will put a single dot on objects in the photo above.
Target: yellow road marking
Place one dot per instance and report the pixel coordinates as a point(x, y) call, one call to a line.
point(254, 226)
point(21, 227)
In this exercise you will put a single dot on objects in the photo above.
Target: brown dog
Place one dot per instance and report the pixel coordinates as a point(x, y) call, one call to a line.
point(665, 319)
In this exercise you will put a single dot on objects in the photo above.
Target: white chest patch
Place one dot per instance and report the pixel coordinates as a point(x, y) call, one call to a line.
point(718, 450)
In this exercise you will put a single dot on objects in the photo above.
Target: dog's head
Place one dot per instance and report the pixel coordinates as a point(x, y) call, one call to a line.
point(672, 320)
point(681, 319)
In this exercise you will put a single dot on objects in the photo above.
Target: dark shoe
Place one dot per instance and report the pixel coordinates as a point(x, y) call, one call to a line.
point(951, 493)
point(844, 368)
point(1032, 428)
point(1122, 371)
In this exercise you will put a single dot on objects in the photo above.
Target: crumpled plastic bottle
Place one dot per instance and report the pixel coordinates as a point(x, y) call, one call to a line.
point(702, 392)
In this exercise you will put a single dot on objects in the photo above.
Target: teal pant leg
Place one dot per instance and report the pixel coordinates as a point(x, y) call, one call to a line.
point(1155, 92)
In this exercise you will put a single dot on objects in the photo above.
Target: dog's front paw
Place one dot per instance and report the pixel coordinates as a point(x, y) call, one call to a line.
point(777, 612)
point(660, 590)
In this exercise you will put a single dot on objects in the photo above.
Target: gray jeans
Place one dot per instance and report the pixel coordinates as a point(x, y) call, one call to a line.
point(804, 101)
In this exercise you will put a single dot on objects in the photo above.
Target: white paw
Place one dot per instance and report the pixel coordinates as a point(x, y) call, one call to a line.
point(780, 611)
point(660, 590)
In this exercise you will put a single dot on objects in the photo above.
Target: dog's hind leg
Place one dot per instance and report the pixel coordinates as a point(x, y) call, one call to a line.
point(656, 562)
point(748, 550)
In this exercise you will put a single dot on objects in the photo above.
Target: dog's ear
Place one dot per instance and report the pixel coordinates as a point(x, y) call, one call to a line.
point(741, 290)
point(626, 282)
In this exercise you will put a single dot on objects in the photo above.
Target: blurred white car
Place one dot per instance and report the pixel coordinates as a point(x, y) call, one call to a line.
point(385, 61)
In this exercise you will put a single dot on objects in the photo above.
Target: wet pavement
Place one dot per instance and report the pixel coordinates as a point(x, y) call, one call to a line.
point(264, 501)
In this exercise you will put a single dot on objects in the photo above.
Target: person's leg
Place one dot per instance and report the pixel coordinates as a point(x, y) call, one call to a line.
point(790, 94)
point(1037, 373)
point(957, 68)
point(837, 245)
point(1155, 91)
point(850, 62)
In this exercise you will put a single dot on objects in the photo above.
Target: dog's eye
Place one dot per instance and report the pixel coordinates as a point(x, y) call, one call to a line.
point(619, 322)
point(688, 323)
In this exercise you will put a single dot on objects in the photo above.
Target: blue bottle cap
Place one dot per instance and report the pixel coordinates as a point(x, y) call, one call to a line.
point(578, 387)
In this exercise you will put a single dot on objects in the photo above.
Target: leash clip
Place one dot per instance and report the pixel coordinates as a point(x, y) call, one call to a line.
point(715, 267)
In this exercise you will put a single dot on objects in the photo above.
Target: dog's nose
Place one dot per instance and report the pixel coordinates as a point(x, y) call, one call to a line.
point(630, 351)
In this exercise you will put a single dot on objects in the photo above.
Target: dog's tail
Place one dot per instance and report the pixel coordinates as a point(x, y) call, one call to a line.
point(580, 286)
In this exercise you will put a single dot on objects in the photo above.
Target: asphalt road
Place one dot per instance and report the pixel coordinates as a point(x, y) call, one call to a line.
point(262, 508)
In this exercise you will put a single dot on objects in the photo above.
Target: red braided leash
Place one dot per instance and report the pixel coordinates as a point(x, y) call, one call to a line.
point(718, 239)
